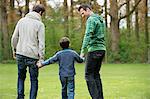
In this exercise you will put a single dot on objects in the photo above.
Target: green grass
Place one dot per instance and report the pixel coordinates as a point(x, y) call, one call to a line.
point(120, 81)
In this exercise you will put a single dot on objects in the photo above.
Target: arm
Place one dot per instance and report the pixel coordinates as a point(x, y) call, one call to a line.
point(14, 40)
point(78, 58)
point(90, 26)
point(41, 40)
point(51, 60)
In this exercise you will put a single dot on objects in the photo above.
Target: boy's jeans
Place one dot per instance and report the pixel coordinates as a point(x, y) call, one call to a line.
point(92, 76)
point(68, 86)
point(23, 62)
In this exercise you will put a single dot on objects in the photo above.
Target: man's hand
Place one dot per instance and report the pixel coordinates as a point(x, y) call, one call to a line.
point(14, 55)
point(82, 55)
point(39, 64)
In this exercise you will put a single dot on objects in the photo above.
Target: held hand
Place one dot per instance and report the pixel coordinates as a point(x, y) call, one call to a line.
point(39, 64)
point(14, 55)
point(82, 55)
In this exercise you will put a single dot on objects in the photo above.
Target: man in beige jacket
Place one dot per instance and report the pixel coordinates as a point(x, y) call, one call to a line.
point(28, 45)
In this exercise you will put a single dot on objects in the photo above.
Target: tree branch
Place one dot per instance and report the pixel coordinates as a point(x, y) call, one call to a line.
point(123, 4)
point(108, 13)
point(130, 11)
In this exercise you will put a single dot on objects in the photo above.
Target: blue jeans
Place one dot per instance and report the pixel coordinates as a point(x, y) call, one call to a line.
point(23, 62)
point(68, 86)
point(92, 76)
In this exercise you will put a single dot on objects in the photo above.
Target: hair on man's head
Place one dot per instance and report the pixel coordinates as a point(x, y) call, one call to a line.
point(39, 8)
point(84, 6)
point(64, 42)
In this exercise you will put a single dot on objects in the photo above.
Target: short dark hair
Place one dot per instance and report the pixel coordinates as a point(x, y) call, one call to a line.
point(39, 8)
point(64, 42)
point(84, 6)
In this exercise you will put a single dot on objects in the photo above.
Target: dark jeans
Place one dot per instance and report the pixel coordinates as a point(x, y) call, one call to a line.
point(92, 76)
point(23, 62)
point(68, 87)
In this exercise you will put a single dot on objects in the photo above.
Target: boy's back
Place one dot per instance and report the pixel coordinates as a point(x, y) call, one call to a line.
point(66, 59)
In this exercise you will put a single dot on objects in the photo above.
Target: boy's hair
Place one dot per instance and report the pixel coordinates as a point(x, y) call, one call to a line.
point(39, 8)
point(84, 6)
point(64, 42)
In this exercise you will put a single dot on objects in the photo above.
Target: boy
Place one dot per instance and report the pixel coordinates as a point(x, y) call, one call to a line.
point(66, 58)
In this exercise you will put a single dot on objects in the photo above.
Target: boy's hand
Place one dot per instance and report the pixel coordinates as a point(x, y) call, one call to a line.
point(39, 64)
point(82, 55)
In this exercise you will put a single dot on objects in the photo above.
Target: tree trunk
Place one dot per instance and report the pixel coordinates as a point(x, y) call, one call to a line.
point(71, 14)
point(147, 33)
point(128, 17)
point(105, 4)
point(115, 34)
point(72, 18)
point(5, 35)
point(12, 18)
point(136, 24)
point(114, 26)
point(27, 7)
point(11, 15)
point(1, 30)
point(66, 26)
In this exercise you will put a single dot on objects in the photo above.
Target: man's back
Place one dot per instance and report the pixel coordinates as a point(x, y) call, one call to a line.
point(30, 35)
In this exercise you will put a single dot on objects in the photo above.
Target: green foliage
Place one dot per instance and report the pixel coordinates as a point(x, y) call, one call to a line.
point(54, 31)
point(0, 45)
point(131, 50)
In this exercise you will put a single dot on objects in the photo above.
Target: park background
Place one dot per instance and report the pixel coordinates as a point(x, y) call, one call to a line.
point(127, 61)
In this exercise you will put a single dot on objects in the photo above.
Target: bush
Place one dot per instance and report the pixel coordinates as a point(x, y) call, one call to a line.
point(131, 50)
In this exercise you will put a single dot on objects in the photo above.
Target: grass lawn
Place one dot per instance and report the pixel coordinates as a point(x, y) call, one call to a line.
point(120, 81)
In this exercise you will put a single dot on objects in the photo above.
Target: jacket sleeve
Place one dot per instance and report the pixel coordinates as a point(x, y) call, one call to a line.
point(78, 58)
point(15, 37)
point(41, 40)
point(90, 26)
point(51, 60)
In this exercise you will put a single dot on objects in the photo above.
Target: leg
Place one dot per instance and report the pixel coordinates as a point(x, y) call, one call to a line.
point(64, 87)
point(93, 65)
point(33, 70)
point(21, 76)
point(71, 87)
point(99, 55)
point(89, 76)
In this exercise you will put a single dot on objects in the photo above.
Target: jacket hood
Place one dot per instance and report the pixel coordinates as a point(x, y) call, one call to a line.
point(34, 15)
point(97, 16)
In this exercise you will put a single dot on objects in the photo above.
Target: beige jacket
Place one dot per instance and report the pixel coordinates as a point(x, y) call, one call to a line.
point(28, 38)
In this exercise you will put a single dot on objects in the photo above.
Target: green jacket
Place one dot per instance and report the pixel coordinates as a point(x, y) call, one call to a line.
point(94, 34)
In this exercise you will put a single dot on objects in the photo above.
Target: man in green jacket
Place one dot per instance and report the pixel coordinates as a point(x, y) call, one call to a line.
point(94, 44)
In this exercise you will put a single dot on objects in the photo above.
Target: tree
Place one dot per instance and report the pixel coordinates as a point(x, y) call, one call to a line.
point(114, 25)
point(27, 6)
point(147, 33)
point(66, 26)
point(0, 30)
point(105, 5)
point(128, 17)
point(11, 14)
point(72, 17)
point(12, 17)
point(137, 23)
point(71, 13)
point(4, 29)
